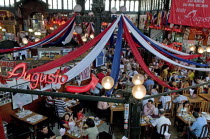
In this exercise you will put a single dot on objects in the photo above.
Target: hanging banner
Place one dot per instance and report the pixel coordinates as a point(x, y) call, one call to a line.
point(85, 74)
point(190, 12)
point(100, 60)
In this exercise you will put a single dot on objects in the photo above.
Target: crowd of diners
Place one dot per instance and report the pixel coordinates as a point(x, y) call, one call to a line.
point(175, 76)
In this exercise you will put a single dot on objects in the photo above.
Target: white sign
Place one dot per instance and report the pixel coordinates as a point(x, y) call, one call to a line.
point(85, 74)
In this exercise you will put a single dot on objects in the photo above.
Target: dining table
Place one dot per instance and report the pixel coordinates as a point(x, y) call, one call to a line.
point(205, 96)
point(76, 134)
point(29, 117)
point(114, 108)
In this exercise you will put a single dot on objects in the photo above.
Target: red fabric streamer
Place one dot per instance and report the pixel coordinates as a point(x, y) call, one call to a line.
point(140, 60)
point(71, 56)
point(82, 89)
point(48, 36)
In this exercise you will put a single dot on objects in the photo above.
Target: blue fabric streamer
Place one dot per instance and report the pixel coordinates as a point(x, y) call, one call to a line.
point(117, 55)
point(64, 35)
point(163, 50)
point(111, 41)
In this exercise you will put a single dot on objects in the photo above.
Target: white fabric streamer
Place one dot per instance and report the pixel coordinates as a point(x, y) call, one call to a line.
point(152, 50)
point(82, 65)
point(167, 48)
point(69, 37)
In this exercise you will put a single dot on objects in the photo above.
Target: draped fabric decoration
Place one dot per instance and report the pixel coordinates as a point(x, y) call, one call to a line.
point(140, 59)
point(135, 32)
point(86, 62)
point(48, 39)
point(164, 51)
point(117, 55)
point(70, 56)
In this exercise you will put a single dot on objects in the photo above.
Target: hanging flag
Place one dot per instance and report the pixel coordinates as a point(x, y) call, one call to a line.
point(85, 74)
point(190, 12)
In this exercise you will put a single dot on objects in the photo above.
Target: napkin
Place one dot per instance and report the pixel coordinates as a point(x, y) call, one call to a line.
point(62, 131)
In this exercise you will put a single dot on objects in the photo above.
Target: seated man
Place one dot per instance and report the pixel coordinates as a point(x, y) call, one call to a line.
point(196, 128)
point(180, 98)
point(45, 133)
point(160, 121)
point(149, 108)
point(61, 107)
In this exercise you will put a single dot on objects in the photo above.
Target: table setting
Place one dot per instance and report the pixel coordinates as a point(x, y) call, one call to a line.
point(24, 113)
point(71, 103)
point(34, 118)
point(206, 115)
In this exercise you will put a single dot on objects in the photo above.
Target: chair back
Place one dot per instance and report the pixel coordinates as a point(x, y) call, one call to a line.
point(198, 91)
point(205, 131)
point(164, 128)
point(168, 109)
point(204, 106)
point(104, 135)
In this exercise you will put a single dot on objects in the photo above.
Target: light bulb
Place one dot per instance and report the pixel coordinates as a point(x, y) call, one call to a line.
point(200, 50)
point(138, 91)
point(107, 82)
point(138, 79)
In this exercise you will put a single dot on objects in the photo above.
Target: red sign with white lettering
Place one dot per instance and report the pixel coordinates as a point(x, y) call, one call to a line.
point(190, 12)
point(36, 78)
point(7, 63)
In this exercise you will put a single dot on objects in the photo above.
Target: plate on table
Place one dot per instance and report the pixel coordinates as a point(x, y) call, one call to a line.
point(204, 113)
point(92, 117)
point(113, 106)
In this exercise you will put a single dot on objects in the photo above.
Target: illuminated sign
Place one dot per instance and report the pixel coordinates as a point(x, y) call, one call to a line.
point(36, 78)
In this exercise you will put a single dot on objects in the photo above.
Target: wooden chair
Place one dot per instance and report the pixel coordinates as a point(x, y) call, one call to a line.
point(204, 106)
point(168, 109)
point(163, 129)
point(204, 132)
point(198, 90)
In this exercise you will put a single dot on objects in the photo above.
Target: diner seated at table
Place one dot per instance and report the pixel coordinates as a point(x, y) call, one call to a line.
point(144, 102)
point(184, 108)
point(180, 98)
point(197, 126)
point(160, 121)
point(45, 133)
point(149, 108)
point(103, 107)
point(61, 107)
point(68, 121)
point(164, 99)
point(80, 114)
point(49, 101)
point(154, 90)
point(91, 131)
point(149, 82)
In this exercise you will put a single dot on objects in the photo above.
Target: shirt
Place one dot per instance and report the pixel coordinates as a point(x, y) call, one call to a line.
point(92, 132)
point(61, 106)
point(165, 99)
point(179, 99)
point(80, 116)
point(198, 125)
point(148, 82)
point(159, 122)
point(102, 105)
point(149, 111)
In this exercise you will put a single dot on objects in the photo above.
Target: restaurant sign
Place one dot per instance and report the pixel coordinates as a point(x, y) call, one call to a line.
point(36, 78)
point(7, 63)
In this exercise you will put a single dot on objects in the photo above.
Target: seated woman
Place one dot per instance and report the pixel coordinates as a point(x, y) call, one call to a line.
point(184, 108)
point(154, 90)
point(68, 121)
point(91, 131)
point(80, 115)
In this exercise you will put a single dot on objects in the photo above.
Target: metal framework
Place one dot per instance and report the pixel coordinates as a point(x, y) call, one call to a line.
point(132, 6)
